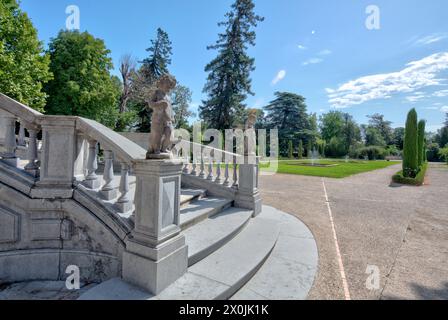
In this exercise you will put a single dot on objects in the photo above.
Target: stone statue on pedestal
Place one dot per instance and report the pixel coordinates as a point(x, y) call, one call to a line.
point(160, 140)
point(250, 136)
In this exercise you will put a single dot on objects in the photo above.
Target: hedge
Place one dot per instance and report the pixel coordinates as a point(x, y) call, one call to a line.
point(417, 181)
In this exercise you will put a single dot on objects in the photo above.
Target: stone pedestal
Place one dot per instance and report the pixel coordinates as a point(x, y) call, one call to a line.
point(156, 254)
point(57, 157)
point(248, 195)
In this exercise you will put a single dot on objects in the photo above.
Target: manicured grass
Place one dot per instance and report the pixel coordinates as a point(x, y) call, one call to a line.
point(341, 168)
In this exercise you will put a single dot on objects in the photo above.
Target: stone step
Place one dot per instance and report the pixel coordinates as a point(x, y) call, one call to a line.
point(212, 233)
point(202, 209)
point(290, 270)
point(217, 277)
point(187, 196)
point(220, 275)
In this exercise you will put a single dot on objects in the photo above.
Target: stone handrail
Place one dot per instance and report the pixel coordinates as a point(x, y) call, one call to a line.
point(64, 157)
point(123, 148)
point(19, 110)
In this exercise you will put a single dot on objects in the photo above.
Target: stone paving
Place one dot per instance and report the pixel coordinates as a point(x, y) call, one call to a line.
point(401, 230)
point(40, 290)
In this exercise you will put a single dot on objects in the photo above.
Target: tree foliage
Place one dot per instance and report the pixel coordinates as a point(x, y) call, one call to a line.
point(384, 127)
point(82, 84)
point(410, 153)
point(159, 58)
point(228, 81)
point(23, 67)
point(288, 114)
point(181, 100)
point(340, 132)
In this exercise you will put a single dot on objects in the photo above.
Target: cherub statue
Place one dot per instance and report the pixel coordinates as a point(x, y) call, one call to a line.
point(162, 119)
point(251, 118)
point(250, 136)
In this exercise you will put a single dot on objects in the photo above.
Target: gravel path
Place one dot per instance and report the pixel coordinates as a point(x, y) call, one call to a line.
point(400, 231)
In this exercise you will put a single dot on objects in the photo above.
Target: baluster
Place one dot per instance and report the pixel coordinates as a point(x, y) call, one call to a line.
point(227, 175)
point(109, 190)
point(21, 139)
point(194, 172)
point(218, 172)
point(187, 165)
point(235, 173)
point(92, 181)
point(210, 169)
point(124, 203)
point(202, 173)
point(10, 145)
point(33, 165)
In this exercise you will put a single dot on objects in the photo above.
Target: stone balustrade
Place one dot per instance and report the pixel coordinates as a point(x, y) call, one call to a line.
point(68, 158)
point(222, 173)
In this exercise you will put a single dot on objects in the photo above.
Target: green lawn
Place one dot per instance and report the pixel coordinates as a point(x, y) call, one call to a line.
point(341, 168)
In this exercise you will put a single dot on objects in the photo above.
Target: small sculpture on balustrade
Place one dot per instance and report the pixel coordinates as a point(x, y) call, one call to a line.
point(160, 140)
point(250, 135)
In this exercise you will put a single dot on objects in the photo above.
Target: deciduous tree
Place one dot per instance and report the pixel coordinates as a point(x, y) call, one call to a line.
point(23, 66)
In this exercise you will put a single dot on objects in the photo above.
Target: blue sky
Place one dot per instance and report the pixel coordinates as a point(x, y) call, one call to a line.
point(320, 49)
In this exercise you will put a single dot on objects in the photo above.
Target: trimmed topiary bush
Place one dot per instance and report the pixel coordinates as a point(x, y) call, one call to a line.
point(410, 153)
point(417, 181)
point(421, 142)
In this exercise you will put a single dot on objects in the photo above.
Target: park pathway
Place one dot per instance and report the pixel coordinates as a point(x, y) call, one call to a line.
point(399, 231)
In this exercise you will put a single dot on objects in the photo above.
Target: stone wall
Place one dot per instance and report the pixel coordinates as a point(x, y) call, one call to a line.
point(40, 238)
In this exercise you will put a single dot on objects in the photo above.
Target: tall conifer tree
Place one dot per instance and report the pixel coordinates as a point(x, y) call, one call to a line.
point(228, 82)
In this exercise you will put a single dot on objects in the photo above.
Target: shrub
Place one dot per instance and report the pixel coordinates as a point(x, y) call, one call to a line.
point(443, 153)
point(432, 153)
point(335, 148)
point(410, 154)
point(417, 181)
point(421, 142)
point(371, 152)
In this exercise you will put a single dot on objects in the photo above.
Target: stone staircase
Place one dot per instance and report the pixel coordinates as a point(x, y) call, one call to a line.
point(232, 255)
point(150, 229)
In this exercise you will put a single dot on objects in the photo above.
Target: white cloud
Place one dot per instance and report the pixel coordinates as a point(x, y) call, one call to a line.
point(430, 108)
point(441, 93)
point(433, 38)
point(301, 47)
point(444, 109)
point(312, 61)
point(325, 52)
point(280, 76)
point(415, 98)
point(416, 75)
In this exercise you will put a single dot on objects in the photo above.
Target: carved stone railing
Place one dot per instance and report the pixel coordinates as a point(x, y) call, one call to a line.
point(221, 173)
point(69, 161)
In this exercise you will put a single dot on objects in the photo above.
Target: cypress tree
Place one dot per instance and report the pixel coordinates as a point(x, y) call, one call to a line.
point(410, 154)
point(421, 142)
point(290, 150)
point(300, 149)
point(228, 81)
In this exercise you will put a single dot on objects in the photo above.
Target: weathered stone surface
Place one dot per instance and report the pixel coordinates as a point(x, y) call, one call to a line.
point(9, 226)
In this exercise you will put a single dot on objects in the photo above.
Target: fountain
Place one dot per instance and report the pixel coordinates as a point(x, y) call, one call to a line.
point(314, 156)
